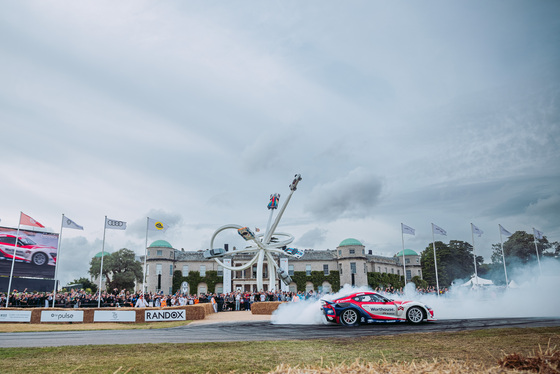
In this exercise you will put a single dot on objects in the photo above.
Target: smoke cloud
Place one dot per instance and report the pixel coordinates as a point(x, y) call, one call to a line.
point(531, 294)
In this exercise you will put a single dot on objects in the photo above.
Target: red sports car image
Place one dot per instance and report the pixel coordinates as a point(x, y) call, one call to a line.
point(27, 250)
point(370, 307)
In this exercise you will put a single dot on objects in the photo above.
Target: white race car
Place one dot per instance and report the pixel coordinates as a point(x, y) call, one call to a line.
point(370, 307)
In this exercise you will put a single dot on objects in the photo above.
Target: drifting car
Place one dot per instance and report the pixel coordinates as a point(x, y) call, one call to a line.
point(370, 307)
point(215, 252)
point(27, 250)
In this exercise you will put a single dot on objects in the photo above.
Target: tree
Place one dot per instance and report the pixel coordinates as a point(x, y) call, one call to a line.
point(454, 261)
point(120, 269)
point(86, 283)
point(519, 248)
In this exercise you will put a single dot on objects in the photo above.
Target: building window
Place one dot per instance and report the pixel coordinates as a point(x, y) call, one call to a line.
point(418, 260)
point(220, 271)
point(353, 267)
point(398, 272)
point(291, 270)
point(386, 269)
point(363, 251)
point(158, 269)
point(407, 261)
point(352, 251)
point(340, 252)
point(392, 270)
point(308, 270)
point(159, 252)
point(202, 270)
point(408, 275)
point(170, 269)
point(379, 269)
point(340, 268)
point(185, 270)
point(365, 268)
point(326, 269)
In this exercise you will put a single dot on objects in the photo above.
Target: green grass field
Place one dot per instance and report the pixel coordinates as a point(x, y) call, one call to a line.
point(483, 347)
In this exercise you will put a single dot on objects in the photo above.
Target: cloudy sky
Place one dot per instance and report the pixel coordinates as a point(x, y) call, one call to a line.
point(193, 113)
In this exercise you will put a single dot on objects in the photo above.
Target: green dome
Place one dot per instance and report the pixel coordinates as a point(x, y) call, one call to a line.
point(349, 241)
point(160, 243)
point(407, 252)
point(98, 255)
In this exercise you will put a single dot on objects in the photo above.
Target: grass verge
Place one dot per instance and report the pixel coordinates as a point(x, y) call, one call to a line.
point(19, 327)
point(482, 347)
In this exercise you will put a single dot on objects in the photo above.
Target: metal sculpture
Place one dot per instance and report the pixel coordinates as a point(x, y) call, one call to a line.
point(261, 245)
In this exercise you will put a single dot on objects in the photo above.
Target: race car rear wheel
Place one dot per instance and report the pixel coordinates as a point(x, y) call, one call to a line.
point(39, 259)
point(349, 317)
point(415, 315)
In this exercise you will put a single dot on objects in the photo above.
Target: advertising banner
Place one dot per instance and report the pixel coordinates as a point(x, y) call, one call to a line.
point(114, 316)
point(165, 315)
point(62, 316)
point(227, 276)
point(15, 315)
point(35, 255)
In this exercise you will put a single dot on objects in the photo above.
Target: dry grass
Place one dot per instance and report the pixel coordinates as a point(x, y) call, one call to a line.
point(471, 351)
point(539, 361)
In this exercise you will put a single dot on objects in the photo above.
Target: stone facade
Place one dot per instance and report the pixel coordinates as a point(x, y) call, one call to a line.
point(350, 258)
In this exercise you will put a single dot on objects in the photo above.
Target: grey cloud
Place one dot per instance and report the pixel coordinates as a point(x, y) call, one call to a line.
point(312, 238)
point(352, 196)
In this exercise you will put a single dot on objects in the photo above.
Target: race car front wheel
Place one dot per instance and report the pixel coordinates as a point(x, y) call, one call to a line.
point(349, 317)
point(39, 259)
point(414, 315)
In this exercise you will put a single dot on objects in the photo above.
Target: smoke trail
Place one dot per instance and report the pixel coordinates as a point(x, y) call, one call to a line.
point(534, 295)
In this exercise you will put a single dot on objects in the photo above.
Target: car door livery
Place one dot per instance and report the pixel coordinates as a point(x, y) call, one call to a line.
point(377, 306)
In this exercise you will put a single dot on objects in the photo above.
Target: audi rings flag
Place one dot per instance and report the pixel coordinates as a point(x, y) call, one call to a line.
point(114, 224)
point(155, 225)
point(67, 222)
point(538, 234)
point(476, 230)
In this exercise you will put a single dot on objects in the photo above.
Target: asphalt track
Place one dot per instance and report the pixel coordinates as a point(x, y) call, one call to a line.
point(254, 331)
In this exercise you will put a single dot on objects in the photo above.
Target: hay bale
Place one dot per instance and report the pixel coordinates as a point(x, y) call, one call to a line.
point(266, 307)
point(88, 315)
point(196, 312)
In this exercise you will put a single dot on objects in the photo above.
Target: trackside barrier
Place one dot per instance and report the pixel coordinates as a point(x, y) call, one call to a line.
point(94, 315)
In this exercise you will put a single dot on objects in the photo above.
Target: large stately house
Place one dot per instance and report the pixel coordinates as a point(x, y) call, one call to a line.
point(349, 260)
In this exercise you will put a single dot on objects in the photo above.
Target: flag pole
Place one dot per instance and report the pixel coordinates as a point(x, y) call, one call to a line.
point(101, 270)
point(474, 255)
point(57, 259)
point(435, 259)
point(13, 262)
point(536, 249)
point(503, 255)
point(403, 258)
point(145, 254)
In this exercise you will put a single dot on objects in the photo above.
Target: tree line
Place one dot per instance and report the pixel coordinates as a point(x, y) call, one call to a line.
point(456, 259)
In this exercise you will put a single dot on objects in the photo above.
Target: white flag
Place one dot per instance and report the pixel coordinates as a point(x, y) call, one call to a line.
point(438, 230)
point(67, 222)
point(476, 230)
point(155, 225)
point(537, 233)
point(114, 224)
point(504, 231)
point(407, 229)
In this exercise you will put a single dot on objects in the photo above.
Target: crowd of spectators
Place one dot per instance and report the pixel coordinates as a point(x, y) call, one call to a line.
point(220, 301)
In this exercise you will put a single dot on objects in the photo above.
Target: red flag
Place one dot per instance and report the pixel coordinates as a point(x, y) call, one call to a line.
point(24, 219)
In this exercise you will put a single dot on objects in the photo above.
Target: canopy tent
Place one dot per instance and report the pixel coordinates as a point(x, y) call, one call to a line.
point(476, 280)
